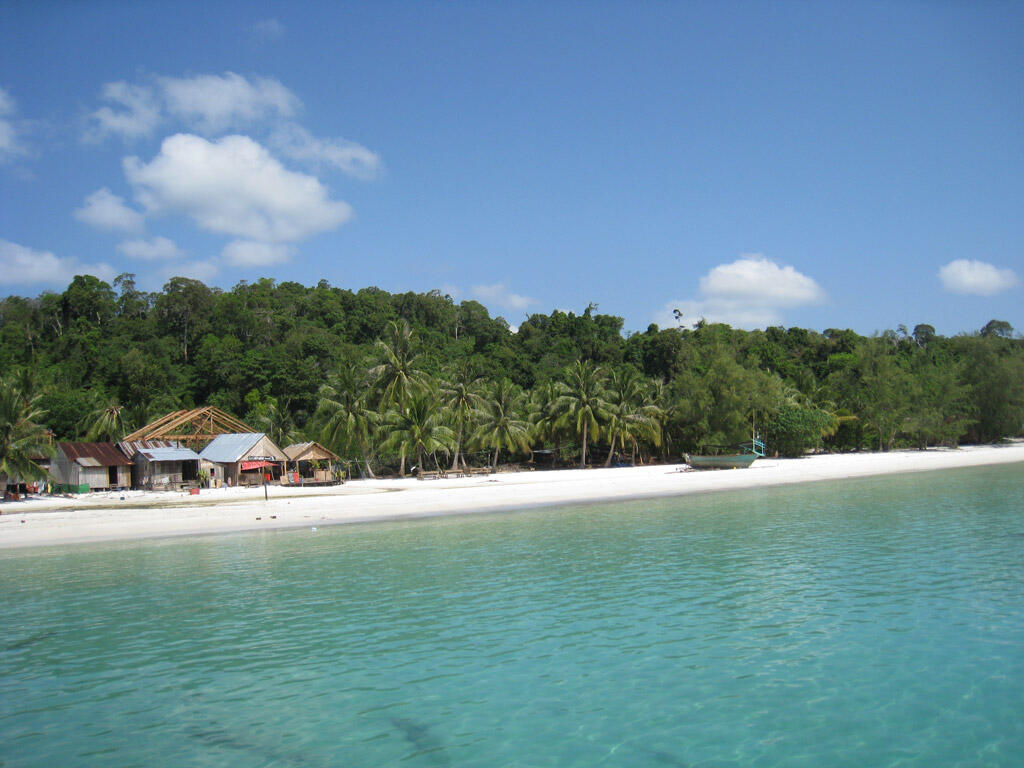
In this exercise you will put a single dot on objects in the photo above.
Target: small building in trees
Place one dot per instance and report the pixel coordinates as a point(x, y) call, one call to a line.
point(243, 459)
point(84, 467)
point(310, 463)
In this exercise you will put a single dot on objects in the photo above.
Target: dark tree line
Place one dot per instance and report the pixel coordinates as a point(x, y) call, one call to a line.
point(390, 379)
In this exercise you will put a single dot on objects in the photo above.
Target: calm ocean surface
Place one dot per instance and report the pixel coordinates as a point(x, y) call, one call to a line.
point(875, 622)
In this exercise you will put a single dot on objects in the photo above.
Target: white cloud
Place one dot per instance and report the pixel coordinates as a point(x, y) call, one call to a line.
point(750, 292)
point(976, 277)
point(268, 29)
point(500, 295)
point(138, 112)
point(295, 142)
point(451, 290)
point(150, 250)
point(105, 210)
point(216, 102)
point(735, 313)
point(10, 145)
point(21, 265)
point(203, 271)
point(754, 278)
point(234, 186)
point(245, 253)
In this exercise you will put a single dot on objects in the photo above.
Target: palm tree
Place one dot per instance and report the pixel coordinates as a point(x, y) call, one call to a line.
point(663, 412)
point(582, 404)
point(418, 426)
point(22, 439)
point(501, 425)
point(106, 421)
point(629, 417)
point(347, 417)
point(277, 422)
point(545, 417)
point(461, 398)
point(396, 377)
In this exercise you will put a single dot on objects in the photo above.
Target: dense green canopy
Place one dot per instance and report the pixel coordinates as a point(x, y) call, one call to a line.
point(375, 375)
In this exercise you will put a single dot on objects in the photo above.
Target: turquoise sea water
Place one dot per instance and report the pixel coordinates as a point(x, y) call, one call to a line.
point(875, 622)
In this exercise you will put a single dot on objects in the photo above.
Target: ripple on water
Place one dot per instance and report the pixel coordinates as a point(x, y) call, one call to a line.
point(873, 622)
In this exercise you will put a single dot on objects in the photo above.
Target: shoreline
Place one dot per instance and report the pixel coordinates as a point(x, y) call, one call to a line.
point(107, 517)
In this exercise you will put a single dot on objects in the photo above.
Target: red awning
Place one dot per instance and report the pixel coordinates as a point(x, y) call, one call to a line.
point(256, 465)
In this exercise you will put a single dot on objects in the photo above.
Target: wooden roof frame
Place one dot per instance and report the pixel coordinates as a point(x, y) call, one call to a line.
point(192, 427)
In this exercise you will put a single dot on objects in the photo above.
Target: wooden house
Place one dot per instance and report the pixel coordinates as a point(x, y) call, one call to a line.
point(310, 464)
point(245, 458)
point(84, 467)
point(161, 465)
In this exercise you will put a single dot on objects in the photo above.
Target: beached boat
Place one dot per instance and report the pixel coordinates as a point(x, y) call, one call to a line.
point(751, 452)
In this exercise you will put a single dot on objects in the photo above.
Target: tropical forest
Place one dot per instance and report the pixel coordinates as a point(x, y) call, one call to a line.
point(391, 382)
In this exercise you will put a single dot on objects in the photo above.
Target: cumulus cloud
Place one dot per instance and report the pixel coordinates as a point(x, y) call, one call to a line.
point(499, 295)
point(105, 210)
point(976, 277)
point(21, 265)
point(135, 114)
point(750, 292)
point(9, 142)
point(754, 278)
point(234, 186)
point(295, 142)
point(150, 250)
point(245, 253)
point(213, 103)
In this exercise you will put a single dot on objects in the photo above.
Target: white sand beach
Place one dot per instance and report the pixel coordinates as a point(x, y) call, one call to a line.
point(49, 521)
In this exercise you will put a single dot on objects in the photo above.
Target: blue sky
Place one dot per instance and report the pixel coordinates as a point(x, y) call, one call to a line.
point(825, 165)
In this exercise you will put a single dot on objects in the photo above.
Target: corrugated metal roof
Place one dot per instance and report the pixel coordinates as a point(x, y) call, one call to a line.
point(130, 447)
point(170, 454)
point(227, 449)
point(88, 461)
point(105, 453)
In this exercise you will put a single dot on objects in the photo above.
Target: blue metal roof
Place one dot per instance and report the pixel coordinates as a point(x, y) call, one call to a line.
point(227, 449)
point(169, 454)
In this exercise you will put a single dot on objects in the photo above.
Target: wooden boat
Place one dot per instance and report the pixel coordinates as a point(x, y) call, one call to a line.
point(735, 461)
point(752, 451)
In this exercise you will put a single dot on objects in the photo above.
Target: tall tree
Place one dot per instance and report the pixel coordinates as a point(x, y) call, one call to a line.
point(582, 403)
point(501, 424)
point(23, 440)
point(631, 419)
point(397, 376)
point(460, 393)
point(106, 421)
point(418, 426)
point(347, 416)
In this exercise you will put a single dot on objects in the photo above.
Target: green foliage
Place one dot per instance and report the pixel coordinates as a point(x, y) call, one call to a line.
point(337, 364)
point(795, 429)
point(23, 440)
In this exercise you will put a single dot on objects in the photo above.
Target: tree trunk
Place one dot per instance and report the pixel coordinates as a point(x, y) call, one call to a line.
point(583, 448)
point(401, 465)
point(366, 461)
point(458, 446)
point(611, 450)
point(497, 450)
